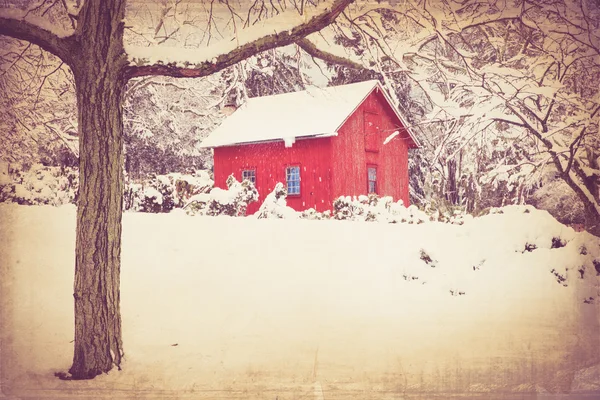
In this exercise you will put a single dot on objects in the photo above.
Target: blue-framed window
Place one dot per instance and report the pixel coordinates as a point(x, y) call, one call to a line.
point(249, 174)
point(292, 178)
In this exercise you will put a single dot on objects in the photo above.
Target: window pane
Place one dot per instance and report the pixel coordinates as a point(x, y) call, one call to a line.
point(372, 174)
point(372, 179)
point(372, 187)
point(249, 174)
point(292, 176)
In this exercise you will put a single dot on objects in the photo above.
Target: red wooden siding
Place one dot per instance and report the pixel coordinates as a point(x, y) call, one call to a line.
point(360, 143)
point(329, 167)
point(270, 161)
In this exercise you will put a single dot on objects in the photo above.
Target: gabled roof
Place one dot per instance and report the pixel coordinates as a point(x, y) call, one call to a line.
point(307, 114)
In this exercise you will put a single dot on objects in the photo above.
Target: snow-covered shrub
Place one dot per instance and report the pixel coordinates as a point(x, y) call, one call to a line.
point(313, 214)
point(145, 197)
point(370, 208)
point(410, 214)
point(233, 201)
point(162, 193)
point(445, 212)
point(39, 185)
point(187, 186)
point(459, 217)
point(343, 208)
point(154, 195)
point(362, 208)
point(59, 185)
point(377, 209)
point(275, 205)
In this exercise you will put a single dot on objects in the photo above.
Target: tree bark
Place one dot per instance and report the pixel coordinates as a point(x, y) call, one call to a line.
point(98, 244)
point(100, 87)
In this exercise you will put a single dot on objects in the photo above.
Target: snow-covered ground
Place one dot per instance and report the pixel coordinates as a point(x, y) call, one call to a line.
point(222, 307)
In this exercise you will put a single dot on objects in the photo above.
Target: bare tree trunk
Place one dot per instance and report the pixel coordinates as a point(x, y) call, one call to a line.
point(97, 318)
point(452, 189)
point(100, 88)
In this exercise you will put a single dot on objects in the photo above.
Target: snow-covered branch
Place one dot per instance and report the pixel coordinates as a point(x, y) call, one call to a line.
point(19, 25)
point(311, 49)
point(193, 63)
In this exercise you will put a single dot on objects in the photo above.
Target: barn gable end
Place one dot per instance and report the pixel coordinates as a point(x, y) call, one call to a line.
point(331, 143)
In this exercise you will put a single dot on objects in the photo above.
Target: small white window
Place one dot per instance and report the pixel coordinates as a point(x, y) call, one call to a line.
point(292, 178)
point(249, 174)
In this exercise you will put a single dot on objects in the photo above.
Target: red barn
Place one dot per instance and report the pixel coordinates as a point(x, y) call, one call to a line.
point(321, 143)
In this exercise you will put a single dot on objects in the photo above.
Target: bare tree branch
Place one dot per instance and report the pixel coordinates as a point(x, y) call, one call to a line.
point(19, 29)
point(242, 52)
point(311, 49)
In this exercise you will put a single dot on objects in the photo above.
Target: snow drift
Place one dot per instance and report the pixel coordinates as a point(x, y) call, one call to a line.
point(222, 307)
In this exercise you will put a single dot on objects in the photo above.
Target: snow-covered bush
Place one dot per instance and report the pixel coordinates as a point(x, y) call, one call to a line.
point(233, 201)
point(378, 209)
point(154, 195)
point(39, 185)
point(313, 214)
point(162, 193)
point(187, 186)
point(275, 205)
point(444, 211)
point(59, 185)
point(347, 208)
point(363, 208)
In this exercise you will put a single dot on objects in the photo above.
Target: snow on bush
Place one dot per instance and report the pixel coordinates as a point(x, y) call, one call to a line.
point(445, 212)
point(233, 201)
point(57, 186)
point(162, 193)
point(313, 214)
point(376, 209)
point(362, 208)
point(39, 185)
point(187, 186)
point(275, 205)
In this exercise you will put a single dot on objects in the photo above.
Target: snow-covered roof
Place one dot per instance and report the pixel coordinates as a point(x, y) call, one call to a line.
point(316, 112)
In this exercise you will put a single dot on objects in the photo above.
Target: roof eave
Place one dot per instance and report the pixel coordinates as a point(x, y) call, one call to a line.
point(317, 136)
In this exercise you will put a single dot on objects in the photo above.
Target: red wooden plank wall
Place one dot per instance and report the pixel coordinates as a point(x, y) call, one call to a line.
point(270, 161)
point(360, 144)
point(329, 167)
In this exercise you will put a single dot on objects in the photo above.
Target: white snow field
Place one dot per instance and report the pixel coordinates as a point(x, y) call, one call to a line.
point(222, 307)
